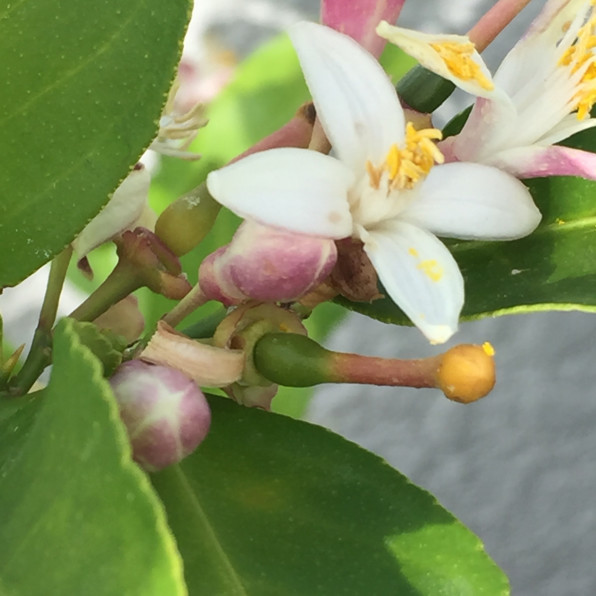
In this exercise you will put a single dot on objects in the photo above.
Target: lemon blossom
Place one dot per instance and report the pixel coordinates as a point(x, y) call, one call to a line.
point(122, 211)
point(541, 94)
point(381, 184)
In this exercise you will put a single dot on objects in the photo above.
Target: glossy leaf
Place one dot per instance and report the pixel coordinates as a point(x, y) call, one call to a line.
point(83, 89)
point(77, 516)
point(552, 269)
point(269, 505)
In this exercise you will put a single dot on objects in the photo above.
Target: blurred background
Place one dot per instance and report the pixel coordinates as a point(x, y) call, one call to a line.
point(518, 467)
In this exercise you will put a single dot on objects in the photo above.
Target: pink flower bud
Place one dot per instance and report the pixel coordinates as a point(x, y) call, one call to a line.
point(215, 281)
point(166, 415)
point(266, 264)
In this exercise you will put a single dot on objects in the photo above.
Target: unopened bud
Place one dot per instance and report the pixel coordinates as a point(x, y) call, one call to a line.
point(184, 223)
point(268, 265)
point(165, 413)
point(215, 280)
point(123, 318)
point(467, 372)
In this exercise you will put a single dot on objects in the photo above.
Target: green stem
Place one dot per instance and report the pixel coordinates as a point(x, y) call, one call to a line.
point(40, 354)
point(188, 304)
point(118, 285)
point(49, 308)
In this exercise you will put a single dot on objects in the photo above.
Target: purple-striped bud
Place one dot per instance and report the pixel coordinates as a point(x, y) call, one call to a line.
point(266, 264)
point(166, 415)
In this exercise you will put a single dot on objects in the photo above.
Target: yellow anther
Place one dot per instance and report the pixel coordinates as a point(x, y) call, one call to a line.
point(406, 166)
point(431, 269)
point(458, 58)
point(392, 160)
point(488, 348)
point(413, 251)
point(580, 55)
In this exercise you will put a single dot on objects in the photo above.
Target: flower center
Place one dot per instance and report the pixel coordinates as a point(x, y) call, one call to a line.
point(580, 55)
point(458, 58)
point(405, 167)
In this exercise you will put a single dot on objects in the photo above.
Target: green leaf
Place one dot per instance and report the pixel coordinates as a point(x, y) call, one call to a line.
point(269, 505)
point(77, 516)
point(82, 93)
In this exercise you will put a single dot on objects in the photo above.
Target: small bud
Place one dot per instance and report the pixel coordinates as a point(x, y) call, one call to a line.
point(154, 264)
point(184, 223)
point(215, 281)
point(268, 265)
point(165, 413)
point(467, 372)
point(123, 318)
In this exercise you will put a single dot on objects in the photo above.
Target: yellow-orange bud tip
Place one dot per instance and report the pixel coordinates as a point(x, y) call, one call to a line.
point(467, 372)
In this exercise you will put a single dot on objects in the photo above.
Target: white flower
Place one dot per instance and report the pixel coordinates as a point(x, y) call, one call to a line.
point(381, 187)
point(123, 210)
point(541, 94)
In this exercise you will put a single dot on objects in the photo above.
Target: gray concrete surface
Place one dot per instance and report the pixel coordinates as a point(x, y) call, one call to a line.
point(518, 467)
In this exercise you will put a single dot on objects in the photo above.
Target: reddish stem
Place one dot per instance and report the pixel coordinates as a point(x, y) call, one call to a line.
point(371, 370)
point(494, 21)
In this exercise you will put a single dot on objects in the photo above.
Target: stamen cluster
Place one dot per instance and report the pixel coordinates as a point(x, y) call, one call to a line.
point(406, 167)
point(458, 58)
point(580, 55)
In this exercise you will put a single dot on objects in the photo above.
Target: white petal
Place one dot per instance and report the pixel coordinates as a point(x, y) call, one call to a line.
point(468, 200)
point(543, 90)
point(420, 275)
point(355, 101)
point(294, 189)
point(570, 125)
point(418, 46)
point(123, 209)
point(554, 18)
point(537, 53)
point(489, 128)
